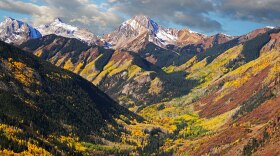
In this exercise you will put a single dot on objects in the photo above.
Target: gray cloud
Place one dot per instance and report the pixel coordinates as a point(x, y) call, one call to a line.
point(105, 17)
point(262, 11)
point(188, 13)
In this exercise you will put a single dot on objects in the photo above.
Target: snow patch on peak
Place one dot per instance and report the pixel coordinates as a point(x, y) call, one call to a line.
point(58, 20)
point(192, 32)
point(223, 34)
point(59, 24)
point(270, 27)
point(227, 35)
point(60, 28)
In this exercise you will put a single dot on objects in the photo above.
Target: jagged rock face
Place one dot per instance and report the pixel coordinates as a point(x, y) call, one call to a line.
point(17, 32)
point(186, 36)
point(273, 44)
point(214, 40)
point(141, 26)
point(254, 33)
point(59, 28)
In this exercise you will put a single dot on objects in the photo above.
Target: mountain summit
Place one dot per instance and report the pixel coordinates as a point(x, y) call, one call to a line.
point(141, 21)
point(58, 27)
point(139, 31)
point(15, 31)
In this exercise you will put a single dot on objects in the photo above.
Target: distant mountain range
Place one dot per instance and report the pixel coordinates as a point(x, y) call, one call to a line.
point(185, 93)
point(140, 28)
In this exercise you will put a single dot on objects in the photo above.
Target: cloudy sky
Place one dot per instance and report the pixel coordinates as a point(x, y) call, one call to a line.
point(234, 17)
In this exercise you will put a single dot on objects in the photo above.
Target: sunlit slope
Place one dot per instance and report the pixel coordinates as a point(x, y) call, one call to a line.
point(236, 103)
point(127, 77)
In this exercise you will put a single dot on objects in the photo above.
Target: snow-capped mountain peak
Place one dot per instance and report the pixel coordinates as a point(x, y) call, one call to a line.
point(15, 31)
point(58, 27)
point(138, 26)
point(60, 24)
point(7, 19)
point(143, 21)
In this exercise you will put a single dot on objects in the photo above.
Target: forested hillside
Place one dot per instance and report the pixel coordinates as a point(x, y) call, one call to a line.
point(48, 110)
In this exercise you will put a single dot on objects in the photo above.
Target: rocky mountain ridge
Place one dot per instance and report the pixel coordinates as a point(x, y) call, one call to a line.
point(16, 32)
